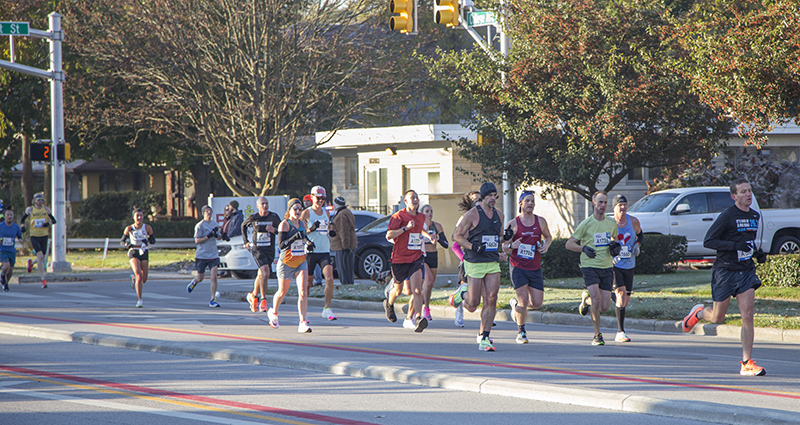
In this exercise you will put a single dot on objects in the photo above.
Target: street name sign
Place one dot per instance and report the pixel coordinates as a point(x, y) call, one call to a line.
point(14, 28)
point(481, 18)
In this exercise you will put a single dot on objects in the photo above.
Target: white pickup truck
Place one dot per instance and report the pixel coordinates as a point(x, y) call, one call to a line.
point(690, 211)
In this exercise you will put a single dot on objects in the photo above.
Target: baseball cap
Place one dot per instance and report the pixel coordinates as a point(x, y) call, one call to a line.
point(318, 191)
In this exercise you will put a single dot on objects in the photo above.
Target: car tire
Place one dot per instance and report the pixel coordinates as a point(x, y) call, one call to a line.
point(244, 274)
point(787, 245)
point(369, 262)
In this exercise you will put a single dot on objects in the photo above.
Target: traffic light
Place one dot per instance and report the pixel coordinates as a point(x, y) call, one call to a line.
point(63, 152)
point(44, 152)
point(447, 12)
point(406, 21)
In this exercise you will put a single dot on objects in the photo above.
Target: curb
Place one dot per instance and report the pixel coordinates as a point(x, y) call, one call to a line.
point(610, 400)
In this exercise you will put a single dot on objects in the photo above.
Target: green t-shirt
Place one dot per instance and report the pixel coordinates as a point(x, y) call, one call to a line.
point(597, 234)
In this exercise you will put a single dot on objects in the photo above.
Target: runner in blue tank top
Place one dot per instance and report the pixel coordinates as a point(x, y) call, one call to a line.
point(629, 237)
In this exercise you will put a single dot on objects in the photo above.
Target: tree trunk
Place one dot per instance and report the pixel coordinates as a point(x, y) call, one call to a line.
point(28, 183)
point(201, 178)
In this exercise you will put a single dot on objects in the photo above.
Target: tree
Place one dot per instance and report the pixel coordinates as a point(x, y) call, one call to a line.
point(587, 96)
point(242, 81)
point(744, 57)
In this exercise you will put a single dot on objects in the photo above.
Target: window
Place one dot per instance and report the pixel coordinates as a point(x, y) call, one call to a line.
point(720, 201)
point(351, 172)
point(636, 174)
point(697, 203)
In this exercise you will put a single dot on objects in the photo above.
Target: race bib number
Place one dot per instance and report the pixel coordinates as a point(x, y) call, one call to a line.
point(602, 239)
point(625, 252)
point(8, 241)
point(298, 248)
point(744, 255)
point(526, 251)
point(414, 241)
point(263, 239)
point(39, 222)
point(491, 242)
point(323, 227)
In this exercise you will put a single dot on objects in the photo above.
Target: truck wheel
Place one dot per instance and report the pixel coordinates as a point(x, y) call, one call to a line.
point(370, 261)
point(787, 245)
point(244, 274)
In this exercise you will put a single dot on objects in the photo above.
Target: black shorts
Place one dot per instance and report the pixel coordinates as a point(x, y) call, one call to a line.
point(602, 277)
point(39, 243)
point(201, 265)
point(264, 256)
point(134, 253)
point(730, 283)
point(522, 277)
point(462, 275)
point(432, 259)
point(403, 271)
point(623, 277)
point(318, 258)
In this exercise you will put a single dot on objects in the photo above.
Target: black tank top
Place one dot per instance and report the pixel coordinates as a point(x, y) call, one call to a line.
point(487, 232)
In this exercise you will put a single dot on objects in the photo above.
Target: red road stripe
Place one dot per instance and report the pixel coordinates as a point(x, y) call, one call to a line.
point(195, 398)
point(426, 357)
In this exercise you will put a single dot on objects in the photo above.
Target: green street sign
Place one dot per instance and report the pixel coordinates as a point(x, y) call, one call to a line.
point(482, 18)
point(14, 28)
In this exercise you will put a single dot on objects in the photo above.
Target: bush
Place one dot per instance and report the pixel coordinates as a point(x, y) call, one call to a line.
point(780, 271)
point(119, 205)
point(658, 252)
point(93, 229)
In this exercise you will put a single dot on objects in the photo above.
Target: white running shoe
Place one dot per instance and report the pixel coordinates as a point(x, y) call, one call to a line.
point(328, 314)
point(459, 321)
point(273, 319)
point(622, 337)
point(304, 328)
point(139, 304)
point(409, 324)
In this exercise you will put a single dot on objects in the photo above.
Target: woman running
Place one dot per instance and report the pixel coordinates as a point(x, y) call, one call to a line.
point(137, 238)
point(431, 258)
point(294, 244)
point(465, 204)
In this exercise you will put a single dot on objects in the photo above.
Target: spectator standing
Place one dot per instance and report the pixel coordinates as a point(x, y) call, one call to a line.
point(344, 244)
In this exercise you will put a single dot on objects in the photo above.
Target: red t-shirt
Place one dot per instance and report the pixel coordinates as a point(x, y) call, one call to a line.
point(409, 245)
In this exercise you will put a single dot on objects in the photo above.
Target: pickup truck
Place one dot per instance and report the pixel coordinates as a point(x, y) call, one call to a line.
point(690, 211)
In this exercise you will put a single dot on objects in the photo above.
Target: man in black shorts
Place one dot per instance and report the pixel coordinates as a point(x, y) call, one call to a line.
point(733, 236)
point(265, 227)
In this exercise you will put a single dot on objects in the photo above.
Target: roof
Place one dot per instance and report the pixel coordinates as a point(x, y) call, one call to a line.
point(353, 138)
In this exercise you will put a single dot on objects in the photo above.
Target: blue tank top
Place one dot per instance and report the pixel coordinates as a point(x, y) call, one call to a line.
point(322, 241)
point(627, 239)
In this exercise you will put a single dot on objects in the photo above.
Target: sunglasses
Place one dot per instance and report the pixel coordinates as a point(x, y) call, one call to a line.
point(321, 198)
point(297, 208)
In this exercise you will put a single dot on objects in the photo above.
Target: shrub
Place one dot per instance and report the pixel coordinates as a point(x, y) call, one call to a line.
point(93, 229)
point(658, 252)
point(780, 271)
point(118, 205)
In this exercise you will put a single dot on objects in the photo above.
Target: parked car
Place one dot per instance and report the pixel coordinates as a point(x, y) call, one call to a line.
point(365, 217)
point(374, 251)
point(690, 212)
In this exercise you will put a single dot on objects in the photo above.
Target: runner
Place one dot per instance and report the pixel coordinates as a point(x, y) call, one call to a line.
point(596, 240)
point(465, 204)
point(265, 224)
point(138, 237)
point(9, 233)
point(436, 232)
point(206, 234)
point(294, 245)
point(630, 237)
point(525, 255)
point(320, 220)
point(733, 235)
point(479, 232)
point(39, 228)
point(407, 229)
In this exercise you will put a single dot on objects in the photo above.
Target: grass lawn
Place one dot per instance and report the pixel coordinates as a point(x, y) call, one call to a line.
point(661, 297)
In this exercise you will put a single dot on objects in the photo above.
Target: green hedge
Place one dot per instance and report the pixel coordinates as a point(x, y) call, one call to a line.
point(93, 229)
point(658, 252)
point(119, 205)
point(780, 271)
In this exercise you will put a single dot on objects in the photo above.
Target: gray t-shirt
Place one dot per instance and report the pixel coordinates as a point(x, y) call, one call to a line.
point(206, 250)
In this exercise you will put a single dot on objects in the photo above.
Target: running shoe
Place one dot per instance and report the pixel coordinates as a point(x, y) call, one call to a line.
point(598, 340)
point(485, 345)
point(522, 338)
point(190, 286)
point(3, 282)
point(459, 320)
point(388, 289)
point(750, 368)
point(380, 277)
point(457, 297)
point(480, 337)
point(583, 308)
point(691, 319)
point(262, 307)
point(422, 323)
point(513, 303)
point(44, 284)
point(303, 328)
point(30, 265)
point(139, 304)
point(327, 313)
point(409, 324)
point(622, 337)
point(273, 319)
point(389, 308)
point(213, 303)
point(426, 313)
point(253, 301)
point(133, 281)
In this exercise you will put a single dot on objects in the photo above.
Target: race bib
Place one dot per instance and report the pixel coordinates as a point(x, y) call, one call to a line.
point(39, 222)
point(263, 239)
point(8, 241)
point(298, 248)
point(744, 255)
point(323, 227)
point(602, 239)
point(490, 242)
point(414, 241)
point(526, 251)
point(625, 252)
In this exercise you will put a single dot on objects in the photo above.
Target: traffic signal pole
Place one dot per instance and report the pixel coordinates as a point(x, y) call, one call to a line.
point(56, 76)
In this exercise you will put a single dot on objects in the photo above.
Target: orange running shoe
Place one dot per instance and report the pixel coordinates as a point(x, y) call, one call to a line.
point(691, 319)
point(749, 368)
point(263, 306)
point(44, 283)
point(253, 300)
